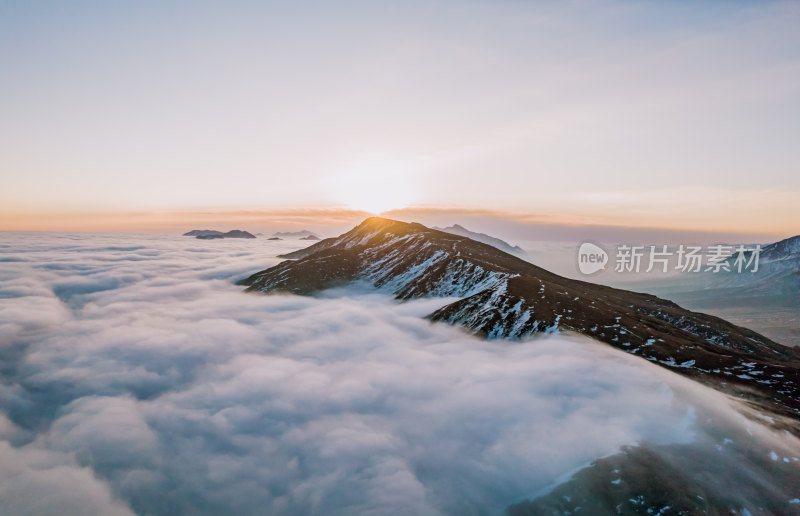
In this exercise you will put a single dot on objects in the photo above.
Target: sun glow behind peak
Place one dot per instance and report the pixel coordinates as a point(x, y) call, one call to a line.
point(375, 187)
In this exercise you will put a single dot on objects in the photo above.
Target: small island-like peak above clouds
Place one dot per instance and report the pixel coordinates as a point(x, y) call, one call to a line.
point(210, 234)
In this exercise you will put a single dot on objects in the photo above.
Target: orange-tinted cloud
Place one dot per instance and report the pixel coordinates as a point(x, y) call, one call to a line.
point(516, 226)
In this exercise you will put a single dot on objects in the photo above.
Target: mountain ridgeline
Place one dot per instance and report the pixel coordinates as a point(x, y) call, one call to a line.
point(778, 277)
point(503, 296)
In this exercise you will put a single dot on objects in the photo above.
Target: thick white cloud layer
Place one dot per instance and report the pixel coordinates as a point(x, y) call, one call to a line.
point(137, 377)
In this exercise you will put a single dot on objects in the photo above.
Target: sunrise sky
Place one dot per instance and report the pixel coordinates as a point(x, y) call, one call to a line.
point(142, 115)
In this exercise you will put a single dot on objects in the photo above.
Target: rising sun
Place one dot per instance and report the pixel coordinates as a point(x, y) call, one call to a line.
point(375, 189)
point(375, 199)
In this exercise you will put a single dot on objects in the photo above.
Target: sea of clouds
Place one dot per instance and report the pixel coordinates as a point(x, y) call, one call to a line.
point(136, 377)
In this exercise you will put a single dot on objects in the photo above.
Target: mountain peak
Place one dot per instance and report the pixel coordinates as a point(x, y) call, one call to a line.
point(376, 221)
point(378, 225)
point(370, 232)
point(373, 224)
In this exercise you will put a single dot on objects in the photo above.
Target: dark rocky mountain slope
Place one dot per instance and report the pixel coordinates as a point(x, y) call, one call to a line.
point(503, 296)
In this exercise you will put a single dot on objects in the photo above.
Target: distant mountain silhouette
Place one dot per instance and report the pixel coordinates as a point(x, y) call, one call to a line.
point(457, 229)
point(210, 234)
point(294, 234)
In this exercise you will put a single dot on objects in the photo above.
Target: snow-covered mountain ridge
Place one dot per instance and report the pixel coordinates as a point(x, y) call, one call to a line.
point(506, 297)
